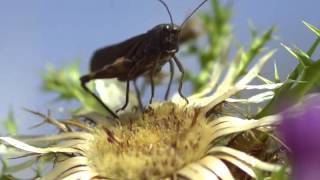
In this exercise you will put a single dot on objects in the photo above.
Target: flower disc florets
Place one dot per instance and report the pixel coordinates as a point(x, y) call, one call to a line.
point(150, 145)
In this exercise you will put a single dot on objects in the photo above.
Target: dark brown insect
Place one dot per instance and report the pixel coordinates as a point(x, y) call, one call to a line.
point(144, 53)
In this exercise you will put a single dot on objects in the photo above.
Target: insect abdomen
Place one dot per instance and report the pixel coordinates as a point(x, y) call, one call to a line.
point(108, 55)
point(101, 58)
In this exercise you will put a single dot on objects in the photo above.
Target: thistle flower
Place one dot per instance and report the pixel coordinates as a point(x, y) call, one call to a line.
point(300, 131)
point(168, 140)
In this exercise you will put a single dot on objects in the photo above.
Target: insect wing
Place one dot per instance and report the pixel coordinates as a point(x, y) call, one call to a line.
point(108, 55)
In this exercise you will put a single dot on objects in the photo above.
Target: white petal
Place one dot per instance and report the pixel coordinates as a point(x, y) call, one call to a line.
point(217, 166)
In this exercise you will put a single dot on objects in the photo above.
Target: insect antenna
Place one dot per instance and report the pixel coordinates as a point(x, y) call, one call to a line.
point(193, 12)
point(166, 6)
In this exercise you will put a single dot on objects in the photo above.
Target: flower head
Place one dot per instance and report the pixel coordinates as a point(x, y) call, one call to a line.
point(166, 140)
point(151, 144)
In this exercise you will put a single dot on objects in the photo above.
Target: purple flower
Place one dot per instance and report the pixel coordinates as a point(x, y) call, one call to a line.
point(300, 130)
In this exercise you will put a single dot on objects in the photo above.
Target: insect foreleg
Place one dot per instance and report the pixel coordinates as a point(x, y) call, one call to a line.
point(170, 80)
point(180, 67)
point(127, 97)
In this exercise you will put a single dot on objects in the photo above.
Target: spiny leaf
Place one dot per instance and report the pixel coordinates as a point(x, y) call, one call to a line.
point(312, 28)
point(276, 73)
point(313, 47)
point(301, 56)
point(264, 80)
point(311, 76)
point(254, 49)
point(316, 42)
point(300, 81)
point(10, 123)
point(218, 31)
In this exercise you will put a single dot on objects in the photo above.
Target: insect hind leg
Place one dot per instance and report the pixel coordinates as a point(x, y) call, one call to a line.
point(84, 80)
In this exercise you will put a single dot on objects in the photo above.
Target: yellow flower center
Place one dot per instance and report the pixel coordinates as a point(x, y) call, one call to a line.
point(150, 145)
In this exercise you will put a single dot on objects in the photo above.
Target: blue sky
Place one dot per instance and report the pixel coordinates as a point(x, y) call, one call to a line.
point(34, 33)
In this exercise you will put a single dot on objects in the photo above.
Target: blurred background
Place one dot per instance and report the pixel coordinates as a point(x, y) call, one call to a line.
point(35, 33)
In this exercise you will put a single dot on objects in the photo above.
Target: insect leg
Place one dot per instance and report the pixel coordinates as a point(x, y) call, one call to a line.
point(84, 80)
point(152, 85)
point(170, 80)
point(127, 98)
point(176, 60)
point(136, 88)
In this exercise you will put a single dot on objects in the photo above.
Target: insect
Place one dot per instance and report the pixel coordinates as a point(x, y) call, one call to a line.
point(142, 54)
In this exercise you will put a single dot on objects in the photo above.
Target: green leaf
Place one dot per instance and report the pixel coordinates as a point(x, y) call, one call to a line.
point(301, 56)
point(313, 47)
point(217, 26)
point(301, 80)
point(276, 73)
point(65, 82)
point(312, 28)
point(316, 42)
point(280, 175)
point(310, 75)
point(7, 177)
point(10, 123)
point(256, 46)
